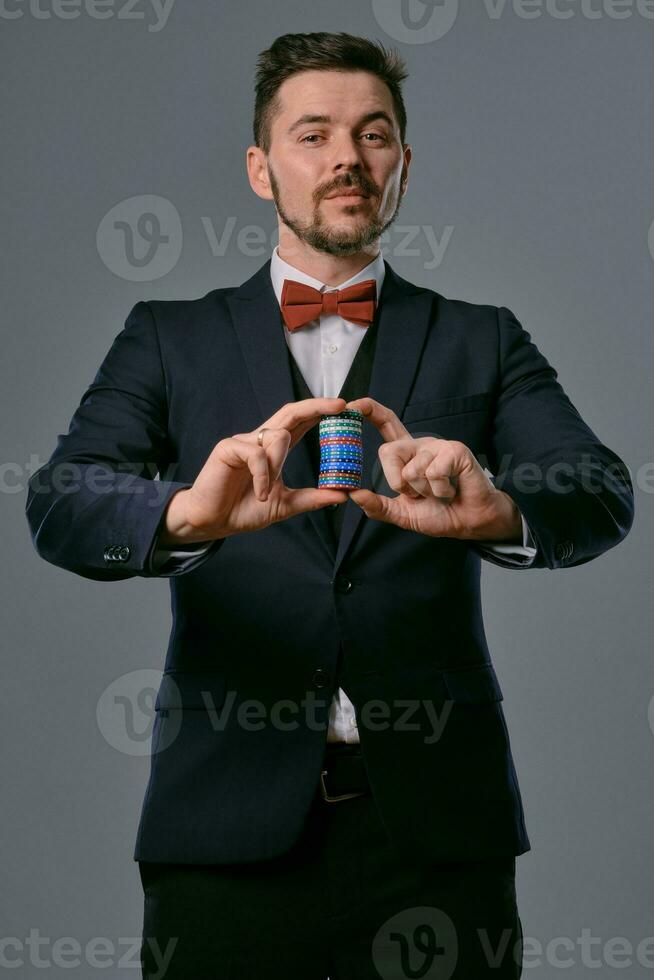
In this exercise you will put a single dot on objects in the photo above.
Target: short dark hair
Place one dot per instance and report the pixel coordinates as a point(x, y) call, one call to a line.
point(293, 53)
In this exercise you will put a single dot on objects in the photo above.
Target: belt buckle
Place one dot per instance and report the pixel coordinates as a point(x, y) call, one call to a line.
point(334, 799)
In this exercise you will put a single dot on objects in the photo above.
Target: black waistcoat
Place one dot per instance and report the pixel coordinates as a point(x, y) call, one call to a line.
point(355, 386)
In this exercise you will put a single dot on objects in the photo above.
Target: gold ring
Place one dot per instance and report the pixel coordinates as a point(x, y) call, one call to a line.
point(260, 436)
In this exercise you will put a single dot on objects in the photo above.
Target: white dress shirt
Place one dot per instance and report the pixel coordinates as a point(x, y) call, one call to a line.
point(324, 350)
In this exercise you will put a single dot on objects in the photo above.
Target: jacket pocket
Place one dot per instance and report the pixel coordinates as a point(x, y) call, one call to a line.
point(472, 684)
point(186, 689)
point(438, 407)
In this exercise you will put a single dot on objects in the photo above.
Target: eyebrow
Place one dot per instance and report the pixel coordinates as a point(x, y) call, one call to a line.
point(310, 118)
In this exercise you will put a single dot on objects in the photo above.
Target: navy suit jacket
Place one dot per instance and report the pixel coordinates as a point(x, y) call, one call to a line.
point(259, 619)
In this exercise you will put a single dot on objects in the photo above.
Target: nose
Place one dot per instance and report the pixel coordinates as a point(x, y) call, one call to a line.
point(346, 153)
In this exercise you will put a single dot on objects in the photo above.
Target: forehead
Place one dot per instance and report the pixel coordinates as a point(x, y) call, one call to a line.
point(342, 95)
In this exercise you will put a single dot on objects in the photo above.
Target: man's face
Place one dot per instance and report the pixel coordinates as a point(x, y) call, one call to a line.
point(312, 160)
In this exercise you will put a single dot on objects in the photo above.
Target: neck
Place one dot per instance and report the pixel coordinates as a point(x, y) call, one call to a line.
point(330, 269)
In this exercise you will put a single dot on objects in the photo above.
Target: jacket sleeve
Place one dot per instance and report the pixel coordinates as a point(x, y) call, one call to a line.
point(575, 494)
point(511, 554)
point(95, 508)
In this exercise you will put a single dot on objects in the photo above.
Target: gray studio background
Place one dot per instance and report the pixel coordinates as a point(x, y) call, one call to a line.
point(530, 187)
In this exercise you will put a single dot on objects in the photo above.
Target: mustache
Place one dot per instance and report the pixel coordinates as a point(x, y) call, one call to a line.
point(359, 185)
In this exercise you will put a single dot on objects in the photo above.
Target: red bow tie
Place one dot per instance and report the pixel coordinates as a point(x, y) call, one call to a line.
point(301, 303)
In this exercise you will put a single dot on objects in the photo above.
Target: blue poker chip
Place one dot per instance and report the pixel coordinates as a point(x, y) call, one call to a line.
point(341, 450)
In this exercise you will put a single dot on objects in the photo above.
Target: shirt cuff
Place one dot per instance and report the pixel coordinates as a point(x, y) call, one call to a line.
point(179, 559)
point(521, 556)
point(513, 554)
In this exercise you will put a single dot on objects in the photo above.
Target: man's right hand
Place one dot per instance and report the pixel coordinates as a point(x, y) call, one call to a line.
point(239, 488)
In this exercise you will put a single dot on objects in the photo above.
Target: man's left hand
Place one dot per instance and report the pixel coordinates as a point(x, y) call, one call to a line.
point(442, 489)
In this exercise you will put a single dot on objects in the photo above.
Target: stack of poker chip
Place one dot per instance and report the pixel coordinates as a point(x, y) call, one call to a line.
point(341, 450)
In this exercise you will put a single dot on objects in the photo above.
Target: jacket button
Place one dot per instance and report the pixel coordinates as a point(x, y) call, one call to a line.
point(332, 506)
point(319, 677)
point(564, 550)
point(343, 584)
point(124, 553)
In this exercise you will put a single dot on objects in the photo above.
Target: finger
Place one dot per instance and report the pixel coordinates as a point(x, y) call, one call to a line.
point(382, 417)
point(380, 508)
point(299, 417)
point(393, 457)
point(443, 487)
point(412, 475)
point(442, 472)
point(428, 477)
point(445, 462)
point(263, 462)
point(276, 443)
point(307, 499)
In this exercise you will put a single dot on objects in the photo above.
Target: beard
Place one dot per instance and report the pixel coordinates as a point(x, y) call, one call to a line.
point(322, 236)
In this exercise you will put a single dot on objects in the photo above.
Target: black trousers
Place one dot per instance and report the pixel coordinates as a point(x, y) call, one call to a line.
point(341, 904)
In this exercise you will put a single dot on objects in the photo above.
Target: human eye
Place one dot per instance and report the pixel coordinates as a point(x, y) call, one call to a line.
point(309, 136)
point(378, 136)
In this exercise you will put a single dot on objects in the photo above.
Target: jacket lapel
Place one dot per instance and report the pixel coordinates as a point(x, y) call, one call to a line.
point(259, 327)
point(404, 317)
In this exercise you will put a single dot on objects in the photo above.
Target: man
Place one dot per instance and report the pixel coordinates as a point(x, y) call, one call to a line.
point(332, 791)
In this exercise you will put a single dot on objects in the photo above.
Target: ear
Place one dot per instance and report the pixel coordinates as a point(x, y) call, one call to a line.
point(405, 169)
point(257, 168)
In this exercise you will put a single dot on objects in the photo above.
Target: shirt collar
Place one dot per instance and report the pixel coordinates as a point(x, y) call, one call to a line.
point(280, 270)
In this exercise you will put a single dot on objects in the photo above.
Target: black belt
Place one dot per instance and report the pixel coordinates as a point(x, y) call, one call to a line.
point(343, 775)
